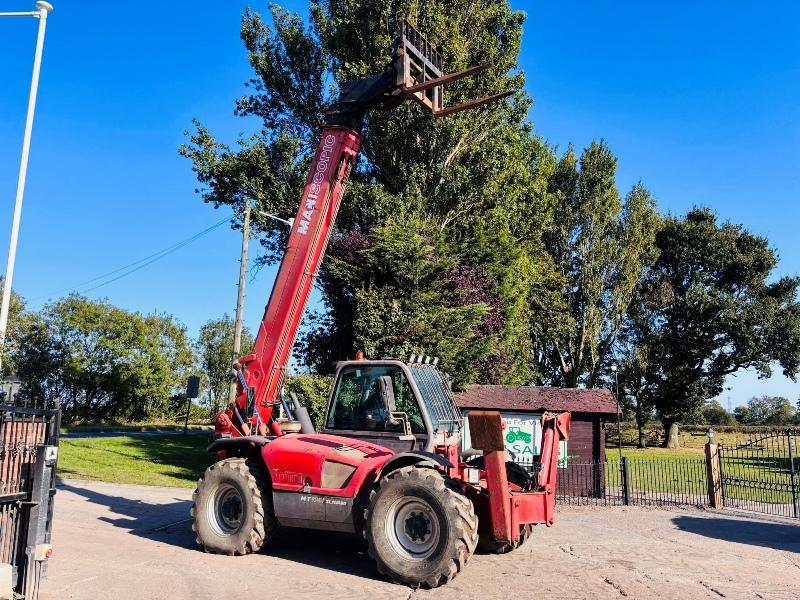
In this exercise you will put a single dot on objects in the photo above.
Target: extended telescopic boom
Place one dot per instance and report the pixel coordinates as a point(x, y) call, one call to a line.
point(413, 74)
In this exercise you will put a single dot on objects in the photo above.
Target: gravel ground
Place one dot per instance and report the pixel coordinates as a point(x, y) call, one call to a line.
point(123, 541)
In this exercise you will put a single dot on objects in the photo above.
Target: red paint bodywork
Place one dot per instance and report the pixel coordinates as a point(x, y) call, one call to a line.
point(501, 507)
point(295, 462)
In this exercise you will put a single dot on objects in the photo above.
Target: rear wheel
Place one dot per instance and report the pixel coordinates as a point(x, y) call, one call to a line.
point(232, 507)
point(420, 528)
point(486, 544)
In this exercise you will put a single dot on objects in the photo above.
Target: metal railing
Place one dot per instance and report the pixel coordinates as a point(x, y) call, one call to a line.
point(632, 482)
point(763, 474)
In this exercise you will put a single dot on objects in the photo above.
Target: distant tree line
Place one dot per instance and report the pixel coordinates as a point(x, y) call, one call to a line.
point(100, 361)
point(759, 410)
point(103, 363)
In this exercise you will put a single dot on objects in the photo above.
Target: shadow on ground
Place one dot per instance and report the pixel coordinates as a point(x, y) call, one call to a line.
point(168, 523)
point(171, 524)
point(338, 552)
point(770, 534)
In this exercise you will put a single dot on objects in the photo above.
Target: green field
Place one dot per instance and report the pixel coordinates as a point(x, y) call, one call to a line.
point(682, 471)
point(168, 460)
point(690, 437)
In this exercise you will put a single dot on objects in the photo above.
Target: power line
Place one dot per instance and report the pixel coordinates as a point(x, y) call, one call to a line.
point(137, 265)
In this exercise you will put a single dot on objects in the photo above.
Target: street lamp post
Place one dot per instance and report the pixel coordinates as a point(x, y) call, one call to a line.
point(41, 12)
point(614, 369)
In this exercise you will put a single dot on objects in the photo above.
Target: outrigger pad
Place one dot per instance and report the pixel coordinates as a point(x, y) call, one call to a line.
point(486, 430)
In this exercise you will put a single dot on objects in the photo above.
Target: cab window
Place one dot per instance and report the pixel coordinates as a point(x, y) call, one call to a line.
point(357, 403)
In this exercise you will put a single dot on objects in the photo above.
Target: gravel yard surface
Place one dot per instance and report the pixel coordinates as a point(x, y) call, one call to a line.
point(124, 541)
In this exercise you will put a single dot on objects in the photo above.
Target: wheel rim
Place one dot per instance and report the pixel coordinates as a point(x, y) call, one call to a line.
point(226, 510)
point(413, 528)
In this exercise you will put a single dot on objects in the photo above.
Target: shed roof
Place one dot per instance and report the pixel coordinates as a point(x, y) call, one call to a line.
point(530, 398)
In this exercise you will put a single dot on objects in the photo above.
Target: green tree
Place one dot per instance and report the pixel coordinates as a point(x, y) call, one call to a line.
point(600, 247)
point(215, 350)
point(743, 415)
point(312, 391)
point(633, 388)
point(469, 181)
point(715, 414)
point(19, 321)
point(768, 410)
point(103, 362)
point(714, 312)
point(411, 298)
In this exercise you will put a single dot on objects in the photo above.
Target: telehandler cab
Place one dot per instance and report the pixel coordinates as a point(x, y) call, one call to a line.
point(390, 463)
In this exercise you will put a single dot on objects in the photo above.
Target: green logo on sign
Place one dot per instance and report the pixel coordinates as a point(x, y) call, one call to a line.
point(515, 434)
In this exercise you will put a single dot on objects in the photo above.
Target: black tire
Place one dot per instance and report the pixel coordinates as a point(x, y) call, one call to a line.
point(232, 507)
point(420, 528)
point(486, 544)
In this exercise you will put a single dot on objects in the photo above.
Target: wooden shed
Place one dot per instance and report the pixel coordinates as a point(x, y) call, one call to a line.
point(581, 457)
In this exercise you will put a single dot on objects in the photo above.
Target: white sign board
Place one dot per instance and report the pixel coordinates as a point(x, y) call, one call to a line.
point(522, 437)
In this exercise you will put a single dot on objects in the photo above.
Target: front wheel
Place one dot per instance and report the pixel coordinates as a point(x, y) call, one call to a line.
point(232, 507)
point(420, 528)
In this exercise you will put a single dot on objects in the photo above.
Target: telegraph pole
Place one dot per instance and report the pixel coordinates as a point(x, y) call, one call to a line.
point(237, 325)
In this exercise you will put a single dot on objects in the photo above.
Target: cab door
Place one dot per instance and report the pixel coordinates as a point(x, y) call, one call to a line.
point(358, 407)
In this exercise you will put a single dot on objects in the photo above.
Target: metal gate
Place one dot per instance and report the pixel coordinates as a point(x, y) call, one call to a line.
point(28, 453)
point(763, 475)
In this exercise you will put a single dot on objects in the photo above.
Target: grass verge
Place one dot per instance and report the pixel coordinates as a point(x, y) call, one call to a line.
point(168, 460)
point(133, 427)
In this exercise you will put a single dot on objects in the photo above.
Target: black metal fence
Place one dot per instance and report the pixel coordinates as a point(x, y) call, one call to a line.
point(28, 434)
point(763, 474)
point(657, 481)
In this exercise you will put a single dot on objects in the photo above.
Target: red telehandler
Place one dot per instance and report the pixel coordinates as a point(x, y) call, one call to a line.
point(390, 463)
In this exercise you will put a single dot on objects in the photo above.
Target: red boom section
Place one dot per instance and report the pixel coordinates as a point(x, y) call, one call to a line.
point(263, 370)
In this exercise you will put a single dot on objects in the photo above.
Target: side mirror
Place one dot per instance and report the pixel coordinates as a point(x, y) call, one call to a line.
point(386, 390)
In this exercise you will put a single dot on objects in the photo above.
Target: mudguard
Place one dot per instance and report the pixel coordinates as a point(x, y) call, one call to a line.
point(417, 457)
point(228, 443)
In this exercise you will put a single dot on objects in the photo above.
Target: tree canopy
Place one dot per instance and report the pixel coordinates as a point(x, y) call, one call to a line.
point(215, 351)
point(766, 410)
point(599, 247)
point(712, 308)
point(469, 238)
point(103, 362)
point(466, 194)
point(472, 239)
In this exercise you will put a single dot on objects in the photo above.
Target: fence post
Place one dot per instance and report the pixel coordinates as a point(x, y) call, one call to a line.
point(793, 474)
point(713, 474)
point(626, 481)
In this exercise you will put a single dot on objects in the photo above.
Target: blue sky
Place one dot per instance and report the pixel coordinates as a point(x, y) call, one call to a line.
point(698, 100)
